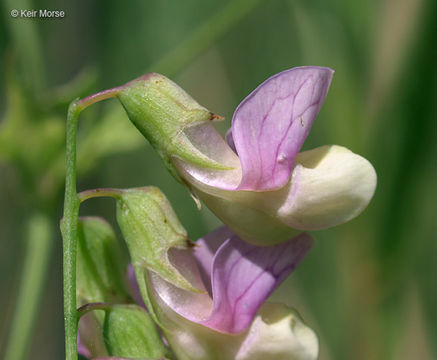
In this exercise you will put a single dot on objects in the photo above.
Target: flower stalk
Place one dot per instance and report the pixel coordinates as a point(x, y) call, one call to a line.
point(69, 234)
point(69, 223)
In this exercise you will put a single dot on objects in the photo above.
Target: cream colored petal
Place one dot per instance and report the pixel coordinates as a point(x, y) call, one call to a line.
point(330, 185)
point(278, 333)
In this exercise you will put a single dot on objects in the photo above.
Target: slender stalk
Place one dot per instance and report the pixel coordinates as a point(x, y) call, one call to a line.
point(85, 309)
point(103, 192)
point(69, 234)
point(70, 220)
point(38, 250)
point(93, 306)
point(102, 95)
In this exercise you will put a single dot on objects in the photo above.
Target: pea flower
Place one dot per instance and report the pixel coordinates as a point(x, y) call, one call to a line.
point(230, 319)
point(256, 182)
point(209, 297)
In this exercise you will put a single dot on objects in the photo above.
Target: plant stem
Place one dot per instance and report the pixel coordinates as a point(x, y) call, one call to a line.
point(69, 234)
point(94, 193)
point(70, 220)
point(37, 256)
point(102, 95)
point(85, 309)
point(93, 306)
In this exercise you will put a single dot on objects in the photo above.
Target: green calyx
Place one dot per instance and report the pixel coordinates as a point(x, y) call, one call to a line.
point(161, 111)
point(150, 228)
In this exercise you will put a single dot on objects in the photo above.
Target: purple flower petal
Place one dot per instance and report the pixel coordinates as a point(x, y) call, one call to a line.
point(243, 277)
point(271, 124)
point(230, 140)
point(205, 250)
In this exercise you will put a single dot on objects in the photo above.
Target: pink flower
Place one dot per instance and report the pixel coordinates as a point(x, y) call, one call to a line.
point(230, 319)
point(257, 182)
point(237, 278)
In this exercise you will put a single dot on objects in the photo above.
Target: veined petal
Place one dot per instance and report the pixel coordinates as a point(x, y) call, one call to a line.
point(268, 130)
point(271, 124)
point(206, 249)
point(242, 277)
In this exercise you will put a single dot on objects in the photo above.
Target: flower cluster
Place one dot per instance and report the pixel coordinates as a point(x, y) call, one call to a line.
point(209, 297)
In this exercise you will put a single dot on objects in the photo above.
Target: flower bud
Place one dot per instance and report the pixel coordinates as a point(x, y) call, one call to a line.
point(162, 111)
point(130, 332)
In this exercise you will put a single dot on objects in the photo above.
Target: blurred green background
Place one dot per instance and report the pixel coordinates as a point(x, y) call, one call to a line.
point(368, 288)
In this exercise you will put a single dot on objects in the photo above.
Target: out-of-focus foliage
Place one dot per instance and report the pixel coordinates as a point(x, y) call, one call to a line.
point(368, 287)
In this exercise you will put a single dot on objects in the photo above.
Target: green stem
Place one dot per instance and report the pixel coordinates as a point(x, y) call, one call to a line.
point(70, 220)
point(69, 234)
point(205, 35)
point(95, 193)
point(85, 309)
point(93, 306)
point(36, 261)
